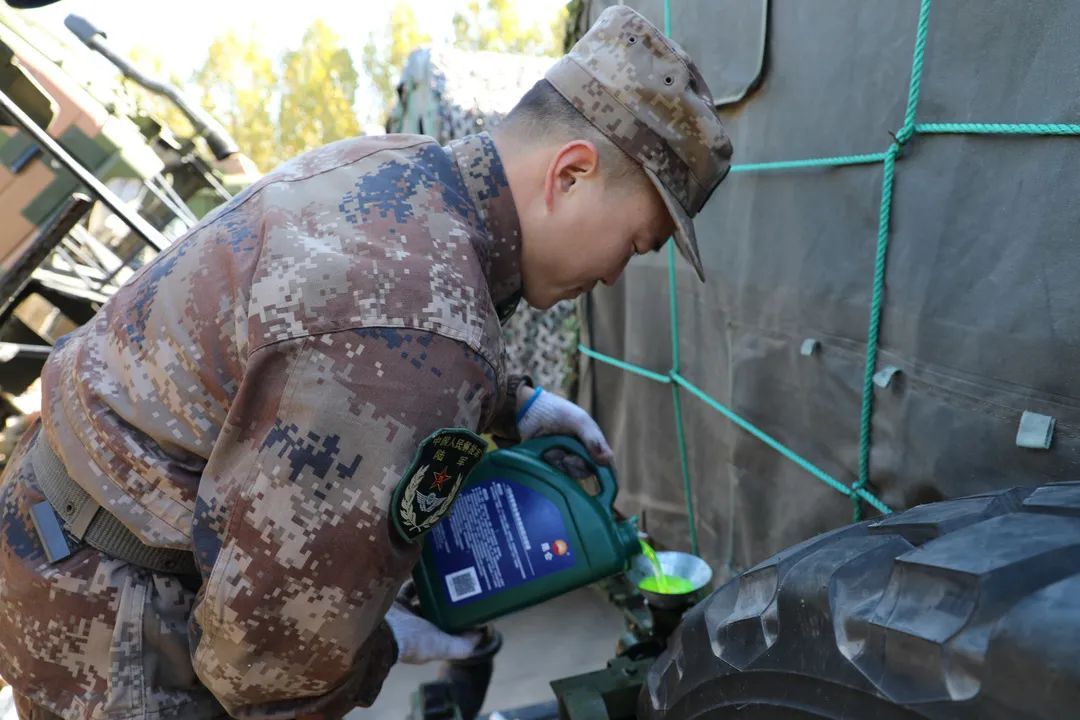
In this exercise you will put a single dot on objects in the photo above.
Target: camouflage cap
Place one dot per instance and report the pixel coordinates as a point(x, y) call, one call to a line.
point(645, 93)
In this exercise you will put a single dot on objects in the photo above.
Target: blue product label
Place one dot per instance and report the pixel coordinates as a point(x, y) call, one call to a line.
point(498, 535)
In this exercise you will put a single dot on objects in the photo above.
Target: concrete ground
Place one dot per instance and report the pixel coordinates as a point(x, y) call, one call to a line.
point(566, 636)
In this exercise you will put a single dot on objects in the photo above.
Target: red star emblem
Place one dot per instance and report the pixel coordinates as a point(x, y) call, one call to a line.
point(440, 479)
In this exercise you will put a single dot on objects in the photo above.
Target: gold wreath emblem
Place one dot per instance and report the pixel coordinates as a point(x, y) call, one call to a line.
point(408, 511)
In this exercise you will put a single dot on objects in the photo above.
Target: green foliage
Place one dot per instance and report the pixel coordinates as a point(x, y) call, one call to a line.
point(384, 61)
point(318, 88)
point(496, 25)
point(238, 81)
point(276, 108)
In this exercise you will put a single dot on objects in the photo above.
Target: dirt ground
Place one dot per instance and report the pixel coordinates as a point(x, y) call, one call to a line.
point(565, 636)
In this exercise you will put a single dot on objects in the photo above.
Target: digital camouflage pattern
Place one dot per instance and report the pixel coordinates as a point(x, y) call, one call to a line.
point(644, 93)
point(448, 94)
point(256, 393)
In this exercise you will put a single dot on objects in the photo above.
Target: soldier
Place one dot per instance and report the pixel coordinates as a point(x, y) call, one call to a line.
point(227, 445)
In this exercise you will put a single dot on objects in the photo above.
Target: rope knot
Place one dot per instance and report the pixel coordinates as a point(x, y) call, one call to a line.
point(901, 136)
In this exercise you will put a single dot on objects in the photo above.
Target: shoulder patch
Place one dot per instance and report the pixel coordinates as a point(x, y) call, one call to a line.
point(434, 478)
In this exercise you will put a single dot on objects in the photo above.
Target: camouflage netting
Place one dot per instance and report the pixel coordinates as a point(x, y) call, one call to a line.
point(448, 94)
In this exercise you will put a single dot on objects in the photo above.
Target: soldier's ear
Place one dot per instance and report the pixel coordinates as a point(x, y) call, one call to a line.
point(574, 161)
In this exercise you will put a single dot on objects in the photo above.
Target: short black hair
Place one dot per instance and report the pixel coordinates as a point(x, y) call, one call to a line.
point(544, 114)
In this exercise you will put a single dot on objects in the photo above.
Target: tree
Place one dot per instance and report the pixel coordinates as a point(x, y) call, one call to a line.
point(383, 62)
point(275, 110)
point(238, 81)
point(318, 89)
point(496, 25)
point(274, 115)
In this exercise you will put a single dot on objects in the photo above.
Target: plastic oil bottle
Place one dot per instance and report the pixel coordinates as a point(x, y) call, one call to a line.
point(532, 522)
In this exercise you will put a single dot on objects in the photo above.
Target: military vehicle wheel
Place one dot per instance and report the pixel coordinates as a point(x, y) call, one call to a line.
point(966, 608)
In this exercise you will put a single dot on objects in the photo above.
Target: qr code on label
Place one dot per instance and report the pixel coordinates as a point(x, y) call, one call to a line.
point(463, 584)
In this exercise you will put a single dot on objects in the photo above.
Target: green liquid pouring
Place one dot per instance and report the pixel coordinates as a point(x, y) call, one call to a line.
point(659, 582)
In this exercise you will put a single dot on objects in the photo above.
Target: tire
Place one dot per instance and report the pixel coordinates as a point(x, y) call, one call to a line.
point(966, 608)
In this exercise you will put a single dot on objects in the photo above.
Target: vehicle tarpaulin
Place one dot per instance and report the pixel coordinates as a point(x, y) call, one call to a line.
point(981, 319)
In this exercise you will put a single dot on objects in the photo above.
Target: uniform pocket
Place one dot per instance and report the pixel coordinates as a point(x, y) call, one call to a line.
point(127, 679)
point(166, 651)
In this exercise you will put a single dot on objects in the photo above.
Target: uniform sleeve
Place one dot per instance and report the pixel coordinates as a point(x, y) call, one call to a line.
point(503, 425)
point(291, 531)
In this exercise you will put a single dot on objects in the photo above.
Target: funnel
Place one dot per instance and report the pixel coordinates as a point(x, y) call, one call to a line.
point(674, 564)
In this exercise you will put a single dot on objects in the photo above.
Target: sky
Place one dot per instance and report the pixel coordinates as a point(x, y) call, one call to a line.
point(182, 38)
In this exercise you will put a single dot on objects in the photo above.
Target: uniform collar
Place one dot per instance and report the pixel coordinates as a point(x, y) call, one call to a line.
point(499, 243)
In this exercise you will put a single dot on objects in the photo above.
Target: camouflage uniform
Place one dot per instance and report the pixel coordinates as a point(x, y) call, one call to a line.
point(449, 94)
point(256, 393)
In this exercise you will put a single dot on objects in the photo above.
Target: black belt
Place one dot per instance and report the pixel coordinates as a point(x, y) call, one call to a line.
point(88, 522)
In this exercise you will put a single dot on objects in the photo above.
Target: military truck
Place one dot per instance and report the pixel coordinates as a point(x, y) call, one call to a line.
point(93, 183)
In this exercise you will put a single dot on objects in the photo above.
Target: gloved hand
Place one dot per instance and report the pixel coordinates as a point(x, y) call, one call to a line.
point(544, 413)
point(419, 641)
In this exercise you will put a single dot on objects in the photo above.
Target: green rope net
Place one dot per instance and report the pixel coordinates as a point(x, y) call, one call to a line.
point(857, 491)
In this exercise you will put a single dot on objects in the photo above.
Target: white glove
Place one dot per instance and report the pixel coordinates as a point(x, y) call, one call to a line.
point(544, 413)
point(419, 641)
